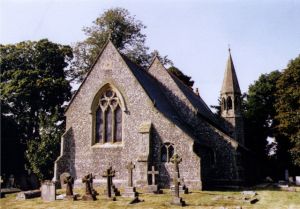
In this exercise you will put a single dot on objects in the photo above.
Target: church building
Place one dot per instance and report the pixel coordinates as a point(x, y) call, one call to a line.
point(122, 113)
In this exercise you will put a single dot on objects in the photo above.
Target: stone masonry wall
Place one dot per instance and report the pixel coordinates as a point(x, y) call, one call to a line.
point(111, 68)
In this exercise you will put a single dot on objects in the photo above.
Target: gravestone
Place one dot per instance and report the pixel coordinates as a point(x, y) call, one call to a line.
point(109, 174)
point(89, 193)
point(176, 160)
point(130, 190)
point(297, 180)
point(176, 199)
point(48, 191)
point(11, 181)
point(69, 181)
point(28, 194)
point(153, 188)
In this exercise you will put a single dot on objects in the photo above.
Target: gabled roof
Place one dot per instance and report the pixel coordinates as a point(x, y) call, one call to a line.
point(230, 82)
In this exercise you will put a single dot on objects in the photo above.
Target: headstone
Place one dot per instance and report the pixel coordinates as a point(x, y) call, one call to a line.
point(48, 191)
point(28, 194)
point(69, 181)
point(176, 160)
point(89, 193)
point(130, 190)
point(286, 174)
point(109, 174)
point(176, 199)
point(297, 180)
point(291, 180)
point(153, 188)
point(2, 195)
point(11, 181)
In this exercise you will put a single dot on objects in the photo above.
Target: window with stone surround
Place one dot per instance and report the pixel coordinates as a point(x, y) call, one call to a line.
point(229, 103)
point(108, 117)
point(166, 152)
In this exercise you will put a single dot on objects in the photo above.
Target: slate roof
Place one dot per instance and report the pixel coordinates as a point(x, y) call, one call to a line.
point(154, 91)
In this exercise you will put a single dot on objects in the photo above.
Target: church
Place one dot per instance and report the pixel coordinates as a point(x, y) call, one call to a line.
point(122, 113)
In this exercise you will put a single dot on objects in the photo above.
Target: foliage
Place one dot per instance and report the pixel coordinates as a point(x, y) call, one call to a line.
point(184, 78)
point(126, 34)
point(123, 30)
point(288, 107)
point(33, 83)
point(260, 114)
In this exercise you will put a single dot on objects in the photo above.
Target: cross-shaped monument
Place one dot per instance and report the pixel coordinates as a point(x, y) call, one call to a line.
point(130, 168)
point(153, 188)
point(69, 181)
point(130, 190)
point(176, 160)
point(176, 200)
point(89, 193)
point(109, 174)
point(153, 172)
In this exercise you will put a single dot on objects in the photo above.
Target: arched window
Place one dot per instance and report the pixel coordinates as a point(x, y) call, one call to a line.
point(229, 103)
point(108, 118)
point(223, 103)
point(166, 152)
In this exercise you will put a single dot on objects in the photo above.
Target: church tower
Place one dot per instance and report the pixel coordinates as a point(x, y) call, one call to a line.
point(231, 102)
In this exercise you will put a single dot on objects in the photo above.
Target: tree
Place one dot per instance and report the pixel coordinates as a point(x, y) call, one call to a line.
point(126, 34)
point(288, 108)
point(259, 112)
point(33, 83)
point(123, 30)
point(184, 78)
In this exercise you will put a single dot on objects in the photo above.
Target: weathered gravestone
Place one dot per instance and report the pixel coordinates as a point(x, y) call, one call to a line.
point(48, 190)
point(69, 181)
point(2, 195)
point(109, 174)
point(297, 180)
point(28, 194)
point(176, 199)
point(130, 190)
point(153, 188)
point(89, 193)
point(176, 160)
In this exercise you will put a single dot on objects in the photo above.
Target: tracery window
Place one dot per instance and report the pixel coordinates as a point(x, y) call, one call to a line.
point(108, 118)
point(166, 152)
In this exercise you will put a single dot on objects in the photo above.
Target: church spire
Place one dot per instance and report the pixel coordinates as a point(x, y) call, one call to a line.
point(231, 102)
point(230, 82)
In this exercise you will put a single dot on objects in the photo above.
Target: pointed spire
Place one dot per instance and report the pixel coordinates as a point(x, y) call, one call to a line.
point(230, 82)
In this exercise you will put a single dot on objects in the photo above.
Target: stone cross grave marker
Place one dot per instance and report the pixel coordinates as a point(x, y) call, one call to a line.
point(69, 181)
point(130, 189)
point(89, 193)
point(176, 160)
point(153, 172)
point(177, 200)
point(130, 168)
point(109, 174)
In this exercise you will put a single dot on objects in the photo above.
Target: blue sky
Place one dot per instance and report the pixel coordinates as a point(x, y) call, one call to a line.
point(263, 35)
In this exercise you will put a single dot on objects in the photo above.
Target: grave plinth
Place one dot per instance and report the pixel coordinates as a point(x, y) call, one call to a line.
point(130, 192)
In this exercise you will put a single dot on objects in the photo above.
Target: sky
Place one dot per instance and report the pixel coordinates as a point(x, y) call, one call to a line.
point(263, 34)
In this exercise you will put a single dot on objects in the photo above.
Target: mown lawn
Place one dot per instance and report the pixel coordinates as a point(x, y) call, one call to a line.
point(268, 199)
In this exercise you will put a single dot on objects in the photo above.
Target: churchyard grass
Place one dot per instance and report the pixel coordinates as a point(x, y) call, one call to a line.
point(268, 199)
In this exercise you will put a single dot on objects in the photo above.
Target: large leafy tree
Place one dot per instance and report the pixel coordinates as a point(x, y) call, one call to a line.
point(260, 114)
point(124, 31)
point(288, 108)
point(33, 84)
